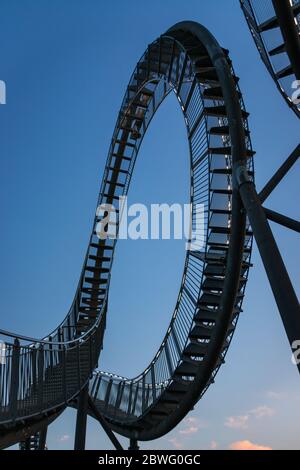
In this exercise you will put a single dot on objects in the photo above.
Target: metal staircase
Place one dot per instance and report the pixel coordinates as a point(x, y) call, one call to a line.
point(197, 339)
point(40, 377)
point(275, 27)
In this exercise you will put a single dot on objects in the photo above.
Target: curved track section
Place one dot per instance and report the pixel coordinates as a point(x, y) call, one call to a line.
point(275, 27)
point(39, 377)
point(188, 61)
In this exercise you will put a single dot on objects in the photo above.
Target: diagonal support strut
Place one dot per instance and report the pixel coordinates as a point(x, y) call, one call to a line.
point(283, 290)
point(282, 220)
point(280, 174)
point(104, 424)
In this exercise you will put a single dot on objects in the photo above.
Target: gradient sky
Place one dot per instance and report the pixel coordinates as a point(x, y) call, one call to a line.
point(66, 64)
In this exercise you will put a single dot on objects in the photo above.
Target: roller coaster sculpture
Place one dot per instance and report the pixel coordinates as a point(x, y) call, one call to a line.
point(41, 377)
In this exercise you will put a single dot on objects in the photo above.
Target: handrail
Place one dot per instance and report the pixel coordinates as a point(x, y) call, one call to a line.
point(43, 341)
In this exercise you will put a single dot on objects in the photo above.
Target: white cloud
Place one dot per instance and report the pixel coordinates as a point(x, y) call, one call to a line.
point(247, 445)
point(191, 425)
point(242, 421)
point(275, 395)
point(237, 422)
point(262, 412)
point(191, 420)
point(64, 438)
point(189, 430)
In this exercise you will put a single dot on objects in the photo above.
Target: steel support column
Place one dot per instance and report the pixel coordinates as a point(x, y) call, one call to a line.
point(81, 420)
point(280, 282)
point(133, 444)
point(42, 439)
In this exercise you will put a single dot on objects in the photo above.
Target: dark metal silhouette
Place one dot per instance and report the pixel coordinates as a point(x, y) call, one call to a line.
point(275, 27)
point(39, 380)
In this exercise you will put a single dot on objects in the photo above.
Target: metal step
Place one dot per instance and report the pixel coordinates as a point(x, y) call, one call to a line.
point(271, 23)
point(102, 247)
point(124, 142)
point(133, 116)
point(171, 398)
point(201, 332)
point(227, 150)
point(207, 73)
point(216, 93)
point(203, 61)
point(220, 111)
point(148, 69)
point(92, 302)
point(213, 284)
point(90, 311)
point(186, 368)
point(96, 269)
point(92, 291)
point(92, 280)
point(286, 72)
point(205, 314)
point(225, 230)
point(115, 183)
point(118, 170)
point(214, 270)
point(223, 246)
point(225, 171)
point(177, 387)
point(210, 299)
point(109, 196)
point(140, 104)
point(194, 348)
point(221, 211)
point(143, 91)
point(102, 259)
point(121, 157)
point(278, 50)
point(221, 191)
point(224, 131)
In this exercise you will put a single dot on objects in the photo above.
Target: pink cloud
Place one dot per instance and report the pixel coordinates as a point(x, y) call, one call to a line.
point(247, 445)
point(213, 445)
point(176, 443)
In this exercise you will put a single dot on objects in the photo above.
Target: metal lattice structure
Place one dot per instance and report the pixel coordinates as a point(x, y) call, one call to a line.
point(39, 378)
point(275, 27)
point(194, 347)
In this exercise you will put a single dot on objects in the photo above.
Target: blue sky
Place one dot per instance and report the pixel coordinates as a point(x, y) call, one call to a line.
point(66, 65)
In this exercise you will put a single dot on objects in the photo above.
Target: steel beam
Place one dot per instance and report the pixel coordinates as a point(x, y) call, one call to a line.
point(282, 220)
point(42, 438)
point(81, 420)
point(133, 444)
point(283, 291)
point(279, 175)
point(104, 424)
